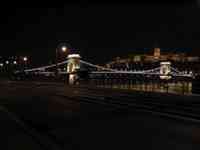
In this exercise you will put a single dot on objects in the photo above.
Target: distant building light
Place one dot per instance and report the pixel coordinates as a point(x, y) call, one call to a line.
point(193, 59)
point(7, 62)
point(15, 62)
point(1, 64)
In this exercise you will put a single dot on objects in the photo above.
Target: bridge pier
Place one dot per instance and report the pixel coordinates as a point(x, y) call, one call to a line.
point(72, 66)
point(165, 70)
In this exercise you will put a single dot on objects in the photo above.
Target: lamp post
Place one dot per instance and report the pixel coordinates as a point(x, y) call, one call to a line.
point(25, 59)
point(63, 48)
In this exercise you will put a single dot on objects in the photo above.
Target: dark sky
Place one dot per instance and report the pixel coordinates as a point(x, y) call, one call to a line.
point(100, 31)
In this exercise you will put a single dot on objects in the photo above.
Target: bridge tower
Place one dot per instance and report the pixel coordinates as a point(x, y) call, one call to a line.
point(165, 70)
point(72, 67)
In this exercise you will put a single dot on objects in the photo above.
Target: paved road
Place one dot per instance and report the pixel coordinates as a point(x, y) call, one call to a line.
point(55, 116)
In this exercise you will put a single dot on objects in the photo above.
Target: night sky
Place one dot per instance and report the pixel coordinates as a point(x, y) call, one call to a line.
point(100, 31)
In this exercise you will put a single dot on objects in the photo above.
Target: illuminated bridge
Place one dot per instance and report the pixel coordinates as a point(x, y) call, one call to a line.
point(74, 64)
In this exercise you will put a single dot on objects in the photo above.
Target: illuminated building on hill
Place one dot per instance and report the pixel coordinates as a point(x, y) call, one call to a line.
point(180, 60)
point(157, 56)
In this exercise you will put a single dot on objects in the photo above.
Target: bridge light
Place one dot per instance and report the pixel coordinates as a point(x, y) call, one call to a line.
point(74, 56)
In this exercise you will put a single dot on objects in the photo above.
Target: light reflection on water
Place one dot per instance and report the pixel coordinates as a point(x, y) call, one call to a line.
point(176, 88)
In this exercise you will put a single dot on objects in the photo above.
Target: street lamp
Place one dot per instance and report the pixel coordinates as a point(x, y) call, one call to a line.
point(64, 48)
point(61, 47)
point(25, 59)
